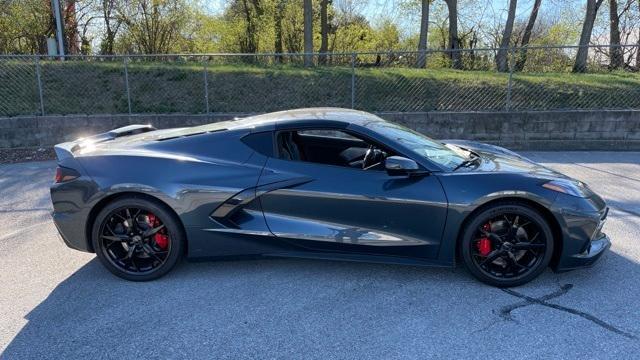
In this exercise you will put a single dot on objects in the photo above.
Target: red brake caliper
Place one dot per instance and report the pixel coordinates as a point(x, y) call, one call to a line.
point(484, 244)
point(161, 240)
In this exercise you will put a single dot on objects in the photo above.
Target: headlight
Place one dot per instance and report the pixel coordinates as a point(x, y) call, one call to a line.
point(569, 187)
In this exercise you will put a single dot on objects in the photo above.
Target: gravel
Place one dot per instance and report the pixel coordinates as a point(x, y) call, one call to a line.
point(10, 156)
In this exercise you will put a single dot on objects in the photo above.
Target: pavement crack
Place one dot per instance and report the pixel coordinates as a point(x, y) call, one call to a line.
point(505, 311)
point(606, 172)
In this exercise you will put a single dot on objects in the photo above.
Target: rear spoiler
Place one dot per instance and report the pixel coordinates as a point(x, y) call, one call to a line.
point(65, 150)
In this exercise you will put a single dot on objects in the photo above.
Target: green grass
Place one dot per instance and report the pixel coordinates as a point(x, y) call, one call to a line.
point(99, 87)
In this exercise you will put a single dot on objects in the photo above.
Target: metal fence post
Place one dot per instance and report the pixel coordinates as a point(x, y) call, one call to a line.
point(353, 80)
point(510, 83)
point(37, 61)
point(206, 86)
point(126, 82)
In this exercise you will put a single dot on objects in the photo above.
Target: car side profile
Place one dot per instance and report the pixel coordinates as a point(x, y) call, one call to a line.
point(323, 183)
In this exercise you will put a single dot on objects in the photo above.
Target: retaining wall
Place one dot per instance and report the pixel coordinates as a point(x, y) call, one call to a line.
point(540, 130)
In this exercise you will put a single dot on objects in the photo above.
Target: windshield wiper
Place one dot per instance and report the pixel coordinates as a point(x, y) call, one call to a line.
point(467, 162)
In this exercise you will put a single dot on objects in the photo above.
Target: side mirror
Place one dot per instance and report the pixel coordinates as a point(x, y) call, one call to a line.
point(401, 166)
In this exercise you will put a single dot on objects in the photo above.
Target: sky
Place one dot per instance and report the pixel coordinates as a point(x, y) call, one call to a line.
point(488, 10)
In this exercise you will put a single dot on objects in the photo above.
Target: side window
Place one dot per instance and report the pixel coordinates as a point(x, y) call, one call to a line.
point(328, 133)
point(261, 142)
point(330, 147)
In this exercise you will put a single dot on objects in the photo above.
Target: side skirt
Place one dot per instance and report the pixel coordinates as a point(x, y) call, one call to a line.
point(375, 259)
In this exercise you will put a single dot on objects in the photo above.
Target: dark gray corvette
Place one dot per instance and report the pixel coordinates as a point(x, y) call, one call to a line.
point(319, 183)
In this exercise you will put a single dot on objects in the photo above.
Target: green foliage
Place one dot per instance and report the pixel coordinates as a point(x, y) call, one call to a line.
point(152, 26)
point(170, 26)
point(387, 36)
point(24, 26)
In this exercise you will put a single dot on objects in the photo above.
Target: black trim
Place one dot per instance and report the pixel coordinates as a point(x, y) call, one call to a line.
point(225, 211)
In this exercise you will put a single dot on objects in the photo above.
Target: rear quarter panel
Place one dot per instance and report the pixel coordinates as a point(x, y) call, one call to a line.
point(191, 175)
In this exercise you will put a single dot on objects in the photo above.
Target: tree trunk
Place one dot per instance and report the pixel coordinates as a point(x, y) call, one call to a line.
point(615, 51)
point(70, 27)
point(424, 32)
point(502, 58)
point(638, 53)
point(454, 42)
point(106, 46)
point(526, 37)
point(308, 33)
point(250, 45)
point(324, 31)
point(638, 48)
point(585, 36)
point(278, 31)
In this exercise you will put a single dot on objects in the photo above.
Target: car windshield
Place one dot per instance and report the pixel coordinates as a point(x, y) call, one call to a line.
point(430, 149)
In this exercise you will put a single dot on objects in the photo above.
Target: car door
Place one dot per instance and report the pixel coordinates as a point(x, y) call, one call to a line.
point(341, 209)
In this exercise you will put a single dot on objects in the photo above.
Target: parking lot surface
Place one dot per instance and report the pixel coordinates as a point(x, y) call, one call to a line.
point(60, 303)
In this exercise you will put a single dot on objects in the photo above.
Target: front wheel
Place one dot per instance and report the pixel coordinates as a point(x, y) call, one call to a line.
point(137, 239)
point(507, 245)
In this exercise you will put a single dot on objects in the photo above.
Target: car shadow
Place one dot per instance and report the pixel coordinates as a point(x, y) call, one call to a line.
point(93, 312)
point(248, 307)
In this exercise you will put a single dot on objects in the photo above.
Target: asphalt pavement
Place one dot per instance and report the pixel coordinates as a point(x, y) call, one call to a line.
point(59, 303)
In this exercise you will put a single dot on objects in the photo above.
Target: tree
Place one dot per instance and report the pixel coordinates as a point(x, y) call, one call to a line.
point(279, 14)
point(152, 26)
point(580, 64)
point(424, 33)
point(324, 30)
point(454, 41)
point(308, 32)
point(526, 37)
point(293, 27)
point(252, 11)
point(386, 36)
point(615, 51)
point(502, 61)
point(354, 32)
point(71, 34)
point(111, 27)
point(638, 48)
point(25, 26)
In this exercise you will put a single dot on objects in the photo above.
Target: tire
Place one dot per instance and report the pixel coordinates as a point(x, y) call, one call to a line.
point(515, 255)
point(158, 255)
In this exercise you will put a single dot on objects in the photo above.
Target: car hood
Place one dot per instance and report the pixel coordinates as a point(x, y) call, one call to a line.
point(498, 159)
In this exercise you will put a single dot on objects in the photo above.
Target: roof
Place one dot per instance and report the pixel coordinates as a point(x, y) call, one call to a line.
point(348, 116)
point(303, 116)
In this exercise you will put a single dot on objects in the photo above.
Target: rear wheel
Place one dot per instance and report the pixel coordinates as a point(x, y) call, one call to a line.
point(137, 239)
point(507, 245)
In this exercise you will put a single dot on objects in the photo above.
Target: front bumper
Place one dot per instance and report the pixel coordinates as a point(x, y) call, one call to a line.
point(581, 221)
point(594, 251)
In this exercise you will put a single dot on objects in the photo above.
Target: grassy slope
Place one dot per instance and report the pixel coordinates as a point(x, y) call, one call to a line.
point(99, 87)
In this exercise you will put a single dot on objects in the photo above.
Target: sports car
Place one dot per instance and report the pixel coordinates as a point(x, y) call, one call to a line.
point(321, 183)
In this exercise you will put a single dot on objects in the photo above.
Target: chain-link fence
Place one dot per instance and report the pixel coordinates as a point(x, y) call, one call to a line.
point(534, 78)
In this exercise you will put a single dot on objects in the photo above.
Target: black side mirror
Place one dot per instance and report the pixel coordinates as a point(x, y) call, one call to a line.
point(401, 166)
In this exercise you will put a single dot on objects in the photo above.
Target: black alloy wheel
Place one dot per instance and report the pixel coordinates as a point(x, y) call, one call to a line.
point(137, 239)
point(507, 245)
